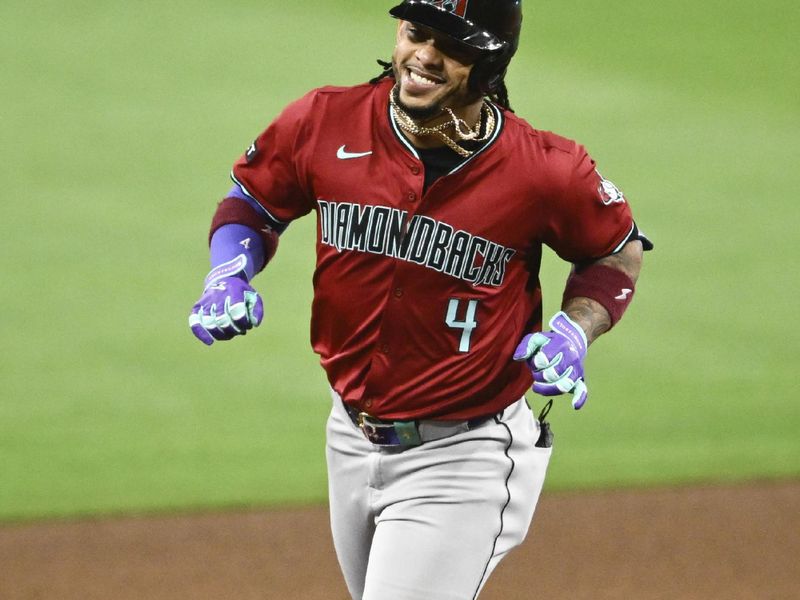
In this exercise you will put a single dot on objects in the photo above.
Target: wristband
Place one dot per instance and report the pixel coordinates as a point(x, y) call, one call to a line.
point(610, 287)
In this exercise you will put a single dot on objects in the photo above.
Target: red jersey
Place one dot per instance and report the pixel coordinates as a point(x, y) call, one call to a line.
point(421, 298)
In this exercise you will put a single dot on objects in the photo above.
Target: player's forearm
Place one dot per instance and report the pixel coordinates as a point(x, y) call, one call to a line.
point(593, 317)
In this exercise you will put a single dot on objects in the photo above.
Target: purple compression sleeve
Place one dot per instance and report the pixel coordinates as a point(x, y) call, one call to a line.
point(229, 241)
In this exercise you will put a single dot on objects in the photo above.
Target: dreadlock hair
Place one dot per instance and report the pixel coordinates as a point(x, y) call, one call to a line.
point(387, 71)
point(499, 95)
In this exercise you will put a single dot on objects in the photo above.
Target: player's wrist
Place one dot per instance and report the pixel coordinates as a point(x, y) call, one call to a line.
point(570, 328)
point(235, 267)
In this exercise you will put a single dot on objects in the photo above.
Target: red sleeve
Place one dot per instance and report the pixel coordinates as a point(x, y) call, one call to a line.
point(272, 171)
point(590, 218)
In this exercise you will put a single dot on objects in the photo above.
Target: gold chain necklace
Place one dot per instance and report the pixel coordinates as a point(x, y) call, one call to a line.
point(460, 127)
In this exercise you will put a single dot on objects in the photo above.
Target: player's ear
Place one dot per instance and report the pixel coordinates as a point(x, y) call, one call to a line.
point(402, 28)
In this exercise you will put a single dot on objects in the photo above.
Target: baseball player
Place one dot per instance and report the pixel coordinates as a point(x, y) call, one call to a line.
point(432, 200)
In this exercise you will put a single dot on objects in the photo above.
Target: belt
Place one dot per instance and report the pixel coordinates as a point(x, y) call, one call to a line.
point(408, 433)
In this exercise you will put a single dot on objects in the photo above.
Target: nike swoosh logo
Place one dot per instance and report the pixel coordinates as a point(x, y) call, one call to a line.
point(343, 154)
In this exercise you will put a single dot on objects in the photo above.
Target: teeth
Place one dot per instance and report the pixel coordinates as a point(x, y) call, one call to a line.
point(417, 78)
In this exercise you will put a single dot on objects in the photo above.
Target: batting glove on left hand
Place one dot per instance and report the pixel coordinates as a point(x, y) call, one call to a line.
point(228, 307)
point(556, 359)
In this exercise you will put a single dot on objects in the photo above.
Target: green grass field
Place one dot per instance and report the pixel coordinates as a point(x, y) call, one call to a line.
point(119, 126)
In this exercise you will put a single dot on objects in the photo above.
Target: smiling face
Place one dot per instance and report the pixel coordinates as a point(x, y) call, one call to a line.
point(432, 71)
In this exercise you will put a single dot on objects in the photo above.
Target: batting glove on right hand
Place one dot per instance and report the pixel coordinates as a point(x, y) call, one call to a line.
point(228, 307)
point(556, 359)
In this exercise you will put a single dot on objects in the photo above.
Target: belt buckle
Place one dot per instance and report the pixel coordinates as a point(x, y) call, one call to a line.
point(369, 429)
point(396, 433)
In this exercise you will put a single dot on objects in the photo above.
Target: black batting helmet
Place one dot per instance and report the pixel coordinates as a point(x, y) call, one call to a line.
point(491, 26)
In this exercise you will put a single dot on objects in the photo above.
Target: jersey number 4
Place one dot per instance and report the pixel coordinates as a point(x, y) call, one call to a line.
point(467, 325)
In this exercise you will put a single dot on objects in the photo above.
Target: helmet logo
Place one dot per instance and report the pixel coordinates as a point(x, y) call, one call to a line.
point(458, 7)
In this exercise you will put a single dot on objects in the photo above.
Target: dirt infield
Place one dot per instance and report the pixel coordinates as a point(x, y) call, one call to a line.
point(712, 542)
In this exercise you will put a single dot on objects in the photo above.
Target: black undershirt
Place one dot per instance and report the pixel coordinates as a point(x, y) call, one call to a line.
point(440, 161)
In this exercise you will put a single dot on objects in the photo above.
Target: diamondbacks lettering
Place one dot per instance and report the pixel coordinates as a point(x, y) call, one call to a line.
point(420, 239)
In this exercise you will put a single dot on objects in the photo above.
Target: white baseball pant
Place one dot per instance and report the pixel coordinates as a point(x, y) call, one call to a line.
point(431, 522)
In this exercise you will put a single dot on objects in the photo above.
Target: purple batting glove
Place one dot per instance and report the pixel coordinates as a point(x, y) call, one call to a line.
point(228, 306)
point(556, 359)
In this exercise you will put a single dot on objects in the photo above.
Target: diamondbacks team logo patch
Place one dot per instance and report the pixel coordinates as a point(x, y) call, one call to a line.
point(458, 7)
point(609, 193)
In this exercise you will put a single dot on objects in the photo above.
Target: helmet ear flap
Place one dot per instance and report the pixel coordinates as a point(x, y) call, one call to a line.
point(488, 72)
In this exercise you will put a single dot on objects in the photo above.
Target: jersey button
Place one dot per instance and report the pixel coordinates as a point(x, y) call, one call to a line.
point(367, 403)
point(411, 196)
point(398, 292)
point(415, 170)
point(385, 348)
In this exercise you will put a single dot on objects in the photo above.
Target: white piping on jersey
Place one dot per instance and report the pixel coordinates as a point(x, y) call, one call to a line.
point(401, 137)
point(498, 117)
point(253, 198)
point(625, 240)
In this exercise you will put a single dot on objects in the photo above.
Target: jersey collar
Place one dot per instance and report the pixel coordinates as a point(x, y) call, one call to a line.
point(410, 147)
